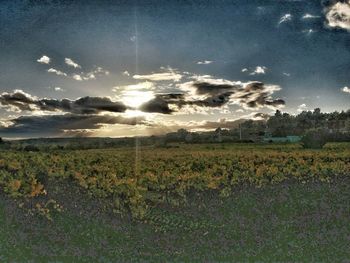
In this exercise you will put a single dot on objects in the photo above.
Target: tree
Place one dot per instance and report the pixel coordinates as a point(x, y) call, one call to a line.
point(281, 125)
point(314, 139)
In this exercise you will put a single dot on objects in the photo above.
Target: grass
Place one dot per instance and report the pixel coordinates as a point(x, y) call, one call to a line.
point(284, 222)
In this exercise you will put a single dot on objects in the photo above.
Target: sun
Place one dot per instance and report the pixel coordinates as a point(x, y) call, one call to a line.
point(135, 98)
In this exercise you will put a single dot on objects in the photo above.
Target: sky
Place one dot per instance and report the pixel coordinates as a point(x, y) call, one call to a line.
point(124, 68)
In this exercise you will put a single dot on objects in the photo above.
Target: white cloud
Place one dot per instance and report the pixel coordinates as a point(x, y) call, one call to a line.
point(338, 15)
point(5, 123)
point(285, 18)
point(135, 95)
point(57, 72)
point(90, 75)
point(256, 71)
point(309, 16)
point(205, 62)
point(286, 74)
point(126, 73)
point(77, 77)
point(308, 31)
point(71, 63)
point(133, 38)
point(58, 89)
point(259, 70)
point(346, 89)
point(100, 71)
point(162, 76)
point(302, 107)
point(146, 85)
point(44, 60)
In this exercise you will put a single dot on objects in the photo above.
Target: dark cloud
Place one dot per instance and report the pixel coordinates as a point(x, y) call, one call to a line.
point(21, 101)
point(17, 100)
point(261, 116)
point(216, 101)
point(160, 104)
point(249, 95)
point(214, 95)
point(61, 125)
point(203, 88)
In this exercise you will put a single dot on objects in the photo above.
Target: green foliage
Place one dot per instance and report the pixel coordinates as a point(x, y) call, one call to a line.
point(314, 139)
point(283, 124)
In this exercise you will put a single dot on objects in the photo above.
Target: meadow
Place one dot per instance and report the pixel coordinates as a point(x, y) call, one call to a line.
point(183, 202)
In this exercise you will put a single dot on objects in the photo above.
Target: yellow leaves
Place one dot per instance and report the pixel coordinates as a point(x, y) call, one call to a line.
point(36, 189)
point(81, 179)
point(212, 185)
point(92, 180)
point(15, 185)
point(13, 166)
point(167, 175)
point(260, 171)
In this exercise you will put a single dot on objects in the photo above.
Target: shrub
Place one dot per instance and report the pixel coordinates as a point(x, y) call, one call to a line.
point(314, 139)
point(30, 148)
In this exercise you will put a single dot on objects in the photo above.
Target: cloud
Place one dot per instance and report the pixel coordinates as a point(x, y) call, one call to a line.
point(259, 70)
point(58, 89)
point(256, 71)
point(169, 75)
point(338, 14)
point(308, 31)
point(17, 101)
point(286, 74)
point(71, 63)
point(89, 75)
point(162, 103)
point(221, 123)
point(346, 89)
point(205, 62)
point(214, 93)
point(146, 85)
point(309, 16)
point(302, 107)
point(133, 38)
point(62, 125)
point(20, 101)
point(285, 18)
point(126, 73)
point(81, 76)
point(44, 60)
point(77, 77)
point(99, 71)
point(224, 123)
point(260, 116)
point(57, 72)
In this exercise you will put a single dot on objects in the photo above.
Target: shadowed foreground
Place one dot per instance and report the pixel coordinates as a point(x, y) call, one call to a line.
point(285, 222)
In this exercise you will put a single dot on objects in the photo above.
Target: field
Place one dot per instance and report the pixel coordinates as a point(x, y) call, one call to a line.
point(192, 203)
